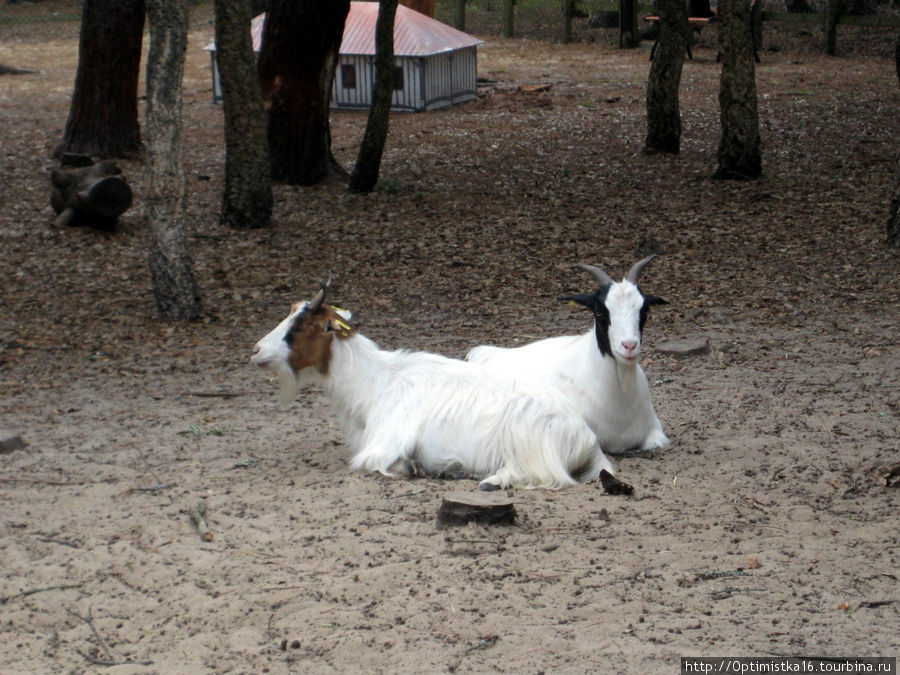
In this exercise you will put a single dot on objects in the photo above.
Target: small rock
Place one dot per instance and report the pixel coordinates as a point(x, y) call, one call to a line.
point(684, 348)
point(11, 444)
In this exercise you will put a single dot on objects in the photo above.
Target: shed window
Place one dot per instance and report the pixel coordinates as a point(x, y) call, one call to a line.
point(348, 76)
point(398, 78)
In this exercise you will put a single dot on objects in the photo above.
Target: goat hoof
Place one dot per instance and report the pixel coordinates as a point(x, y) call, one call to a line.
point(614, 486)
point(415, 470)
point(488, 487)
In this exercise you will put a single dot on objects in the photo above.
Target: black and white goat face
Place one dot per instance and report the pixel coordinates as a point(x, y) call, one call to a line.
point(620, 311)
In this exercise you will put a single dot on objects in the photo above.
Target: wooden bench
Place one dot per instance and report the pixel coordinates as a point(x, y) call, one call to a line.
point(700, 14)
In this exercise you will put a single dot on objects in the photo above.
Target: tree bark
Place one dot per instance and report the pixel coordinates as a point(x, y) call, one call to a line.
point(893, 223)
point(740, 155)
point(368, 163)
point(663, 111)
point(174, 287)
point(301, 40)
point(247, 199)
point(103, 115)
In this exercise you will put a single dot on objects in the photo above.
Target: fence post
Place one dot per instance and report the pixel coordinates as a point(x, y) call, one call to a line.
point(508, 21)
point(459, 14)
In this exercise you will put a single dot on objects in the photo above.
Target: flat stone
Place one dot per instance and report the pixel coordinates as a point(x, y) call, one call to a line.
point(684, 348)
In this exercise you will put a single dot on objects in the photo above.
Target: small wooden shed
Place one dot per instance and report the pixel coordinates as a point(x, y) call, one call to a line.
point(435, 64)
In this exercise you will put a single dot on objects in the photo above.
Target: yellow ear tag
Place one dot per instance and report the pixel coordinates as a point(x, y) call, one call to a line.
point(343, 328)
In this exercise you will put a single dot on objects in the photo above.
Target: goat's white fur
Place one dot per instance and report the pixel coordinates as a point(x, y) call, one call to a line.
point(444, 414)
point(611, 393)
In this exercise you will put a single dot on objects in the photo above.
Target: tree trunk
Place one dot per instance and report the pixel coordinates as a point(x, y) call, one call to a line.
point(739, 149)
point(893, 224)
point(103, 115)
point(174, 286)
point(459, 14)
point(799, 7)
point(301, 40)
point(247, 199)
point(663, 112)
point(425, 7)
point(629, 32)
point(365, 174)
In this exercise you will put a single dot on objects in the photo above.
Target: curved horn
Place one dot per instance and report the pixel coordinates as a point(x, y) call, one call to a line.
point(635, 272)
point(597, 273)
point(320, 297)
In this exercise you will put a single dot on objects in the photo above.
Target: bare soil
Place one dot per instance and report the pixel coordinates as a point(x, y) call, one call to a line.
point(764, 530)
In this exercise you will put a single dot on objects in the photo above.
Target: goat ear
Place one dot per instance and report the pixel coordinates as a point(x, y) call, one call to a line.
point(583, 299)
point(653, 300)
point(338, 326)
point(345, 314)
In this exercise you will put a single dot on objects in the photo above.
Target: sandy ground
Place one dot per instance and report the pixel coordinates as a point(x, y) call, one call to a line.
point(763, 530)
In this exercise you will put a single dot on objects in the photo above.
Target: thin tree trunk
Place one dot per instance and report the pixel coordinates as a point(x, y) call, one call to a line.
point(365, 174)
point(740, 155)
point(103, 115)
point(174, 287)
point(663, 111)
point(301, 41)
point(247, 199)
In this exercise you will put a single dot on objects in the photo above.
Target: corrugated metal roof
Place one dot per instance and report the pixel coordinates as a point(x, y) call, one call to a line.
point(414, 34)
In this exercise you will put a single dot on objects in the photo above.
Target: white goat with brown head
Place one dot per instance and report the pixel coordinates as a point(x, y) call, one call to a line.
point(415, 412)
point(598, 372)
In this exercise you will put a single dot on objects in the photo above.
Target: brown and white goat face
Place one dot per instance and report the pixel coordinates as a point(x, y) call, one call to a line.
point(299, 348)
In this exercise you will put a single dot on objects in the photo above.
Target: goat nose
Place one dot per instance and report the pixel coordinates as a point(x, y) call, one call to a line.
point(629, 345)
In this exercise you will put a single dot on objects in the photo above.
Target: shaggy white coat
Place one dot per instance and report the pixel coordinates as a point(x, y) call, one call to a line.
point(611, 393)
point(445, 415)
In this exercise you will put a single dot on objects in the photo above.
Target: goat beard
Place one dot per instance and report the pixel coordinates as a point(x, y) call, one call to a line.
point(287, 380)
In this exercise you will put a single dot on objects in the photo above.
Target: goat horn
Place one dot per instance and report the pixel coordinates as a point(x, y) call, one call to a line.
point(598, 274)
point(320, 297)
point(635, 272)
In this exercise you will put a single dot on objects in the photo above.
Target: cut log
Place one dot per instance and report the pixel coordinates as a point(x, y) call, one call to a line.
point(90, 195)
point(484, 508)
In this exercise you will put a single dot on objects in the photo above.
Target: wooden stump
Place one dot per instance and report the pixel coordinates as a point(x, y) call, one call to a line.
point(89, 195)
point(484, 508)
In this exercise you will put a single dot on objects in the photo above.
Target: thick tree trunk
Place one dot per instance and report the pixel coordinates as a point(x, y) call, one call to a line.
point(301, 40)
point(103, 116)
point(740, 155)
point(893, 224)
point(663, 111)
point(425, 7)
point(174, 286)
point(247, 199)
point(365, 173)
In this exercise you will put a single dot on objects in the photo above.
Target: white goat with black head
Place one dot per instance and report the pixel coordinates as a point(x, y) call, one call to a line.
point(418, 413)
point(598, 372)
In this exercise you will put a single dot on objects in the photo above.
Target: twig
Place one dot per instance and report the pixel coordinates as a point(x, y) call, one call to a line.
point(41, 481)
point(51, 540)
point(151, 488)
point(89, 620)
point(99, 662)
point(217, 394)
point(22, 594)
point(198, 515)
